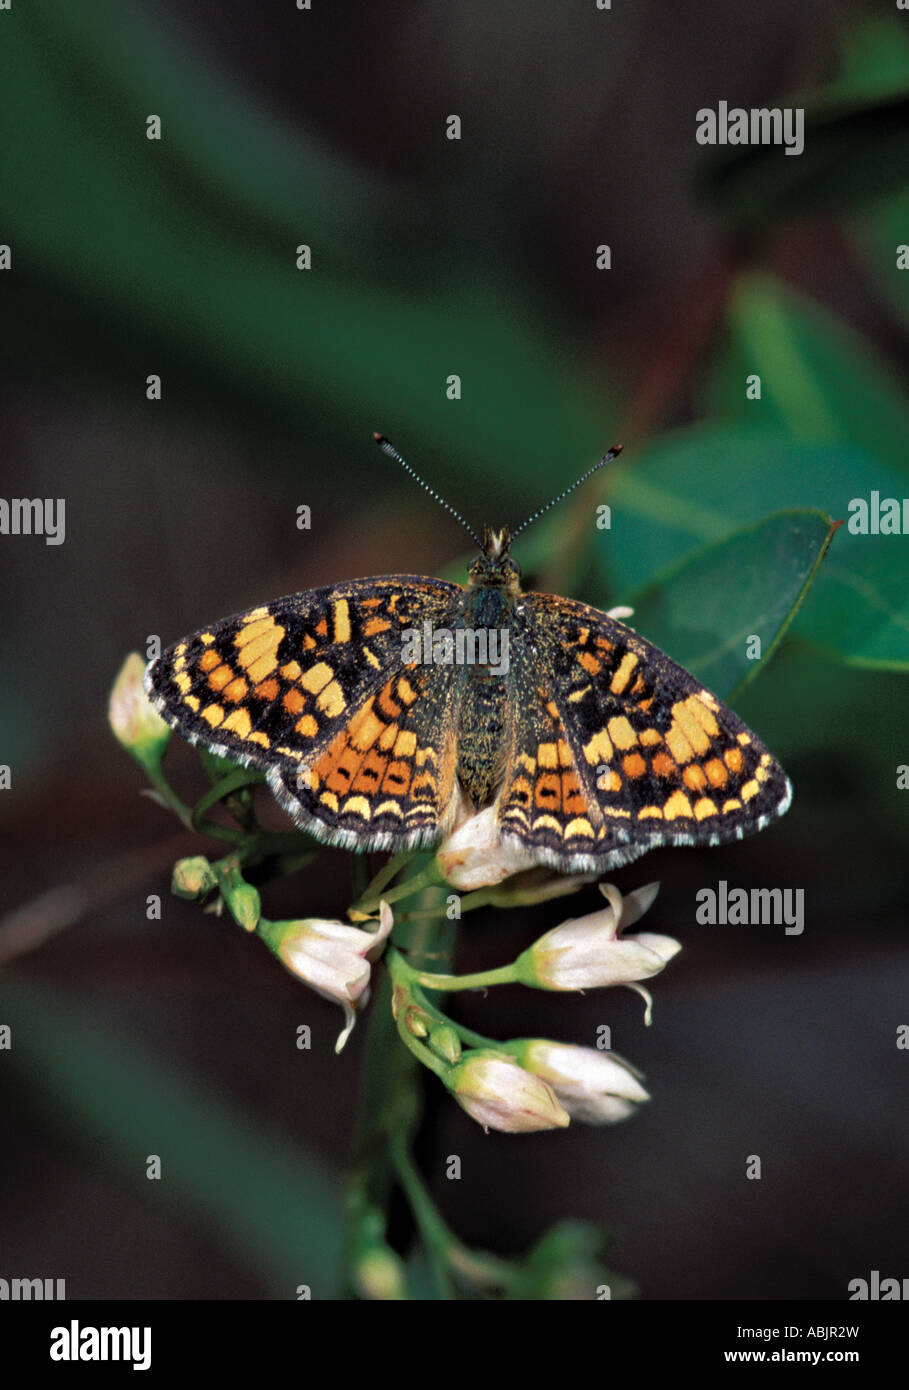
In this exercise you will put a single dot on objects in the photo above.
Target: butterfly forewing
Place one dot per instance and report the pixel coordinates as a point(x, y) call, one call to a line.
point(313, 689)
point(625, 750)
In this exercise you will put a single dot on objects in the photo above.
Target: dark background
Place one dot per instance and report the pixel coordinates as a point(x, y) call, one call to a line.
point(431, 257)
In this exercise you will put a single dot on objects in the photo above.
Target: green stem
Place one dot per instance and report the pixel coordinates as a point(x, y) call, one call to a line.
point(503, 975)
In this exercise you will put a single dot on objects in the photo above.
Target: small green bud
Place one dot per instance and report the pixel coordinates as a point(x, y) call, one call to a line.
point(245, 905)
point(193, 878)
point(446, 1043)
point(133, 718)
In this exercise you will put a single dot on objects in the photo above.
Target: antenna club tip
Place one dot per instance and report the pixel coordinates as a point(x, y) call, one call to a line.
point(379, 438)
point(616, 449)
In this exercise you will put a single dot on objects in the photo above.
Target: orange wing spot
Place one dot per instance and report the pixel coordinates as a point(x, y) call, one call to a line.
point(374, 626)
point(566, 757)
point(193, 703)
point(602, 645)
point(520, 791)
point(663, 765)
point(677, 805)
point(183, 682)
point(574, 802)
point(236, 691)
point(209, 660)
point(621, 732)
point(405, 691)
point(397, 778)
point(634, 765)
point(308, 642)
point(370, 603)
point(307, 726)
point(649, 737)
point(405, 744)
point(733, 759)
point(695, 778)
point(262, 644)
point(716, 773)
point(623, 673)
point(744, 739)
point(599, 749)
point(678, 745)
point(214, 714)
point(704, 807)
point(733, 804)
point(387, 705)
point(552, 710)
point(239, 722)
point(639, 684)
point(547, 755)
point(218, 678)
point(294, 702)
point(650, 813)
point(251, 630)
point(291, 671)
point(548, 790)
point(331, 700)
point(388, 736)
point(590, 663)
point(644, 705)
point(365, 728)
point(330, 800)
point(261, 668)
point(749, 790)
point(425, 782)
point(340, 614)
point(692, 726)
point(371, 657)
point(611, 782)
point(317, 677)
point(579, 826)
point(267, 690)
point(372, 770)
point(259, 737)
point(322, 627)
point(340, 771)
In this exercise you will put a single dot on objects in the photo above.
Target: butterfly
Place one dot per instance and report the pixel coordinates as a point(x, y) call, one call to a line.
point(384, 711)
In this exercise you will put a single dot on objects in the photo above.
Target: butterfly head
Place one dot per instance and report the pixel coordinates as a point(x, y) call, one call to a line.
point(494, 568)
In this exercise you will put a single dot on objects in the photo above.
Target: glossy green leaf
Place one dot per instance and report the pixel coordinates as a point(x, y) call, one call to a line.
point(705, 611)
point(820, 382)
point(701, 484)
point(191, 242)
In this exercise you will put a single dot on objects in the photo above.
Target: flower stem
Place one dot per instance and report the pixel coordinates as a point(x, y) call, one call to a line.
point(502, 975)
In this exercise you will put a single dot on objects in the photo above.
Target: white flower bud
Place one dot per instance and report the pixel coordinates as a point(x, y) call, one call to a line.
point(499, 1094)
point(595, 1087)
point(332, 958)
point(587, 952)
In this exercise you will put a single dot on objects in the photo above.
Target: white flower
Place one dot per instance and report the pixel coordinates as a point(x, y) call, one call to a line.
point(595, 1087)
point(586, 952)
point(499, 1094)
point(133, 718)
point(333, 959)
point(476, 855)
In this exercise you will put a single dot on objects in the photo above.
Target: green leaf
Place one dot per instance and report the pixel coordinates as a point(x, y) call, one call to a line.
point(702, 483)
point(820, 382)
point(702, 611)
point(279, 1210)
point(194, 237)
point(854, 152)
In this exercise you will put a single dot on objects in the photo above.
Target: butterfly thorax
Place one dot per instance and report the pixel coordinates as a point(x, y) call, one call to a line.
point(483, 687)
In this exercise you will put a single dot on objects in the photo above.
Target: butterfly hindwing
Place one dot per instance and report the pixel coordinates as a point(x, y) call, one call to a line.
point(311, 687)
point(626, 750)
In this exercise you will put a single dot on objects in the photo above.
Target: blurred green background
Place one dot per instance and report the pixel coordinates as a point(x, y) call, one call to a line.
point(432, 257)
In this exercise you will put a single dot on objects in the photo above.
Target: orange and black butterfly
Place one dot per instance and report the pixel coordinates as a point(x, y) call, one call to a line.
point(382, 710)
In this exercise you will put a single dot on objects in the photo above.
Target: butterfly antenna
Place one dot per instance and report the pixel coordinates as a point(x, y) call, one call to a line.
point(607, 458)
point(388, 448)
